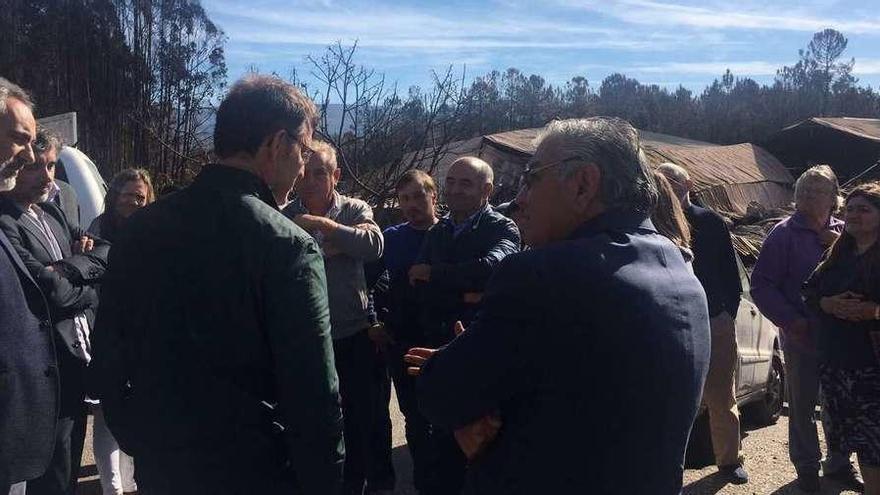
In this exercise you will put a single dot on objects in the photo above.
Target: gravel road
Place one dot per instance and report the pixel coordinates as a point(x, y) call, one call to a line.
point(765, 449)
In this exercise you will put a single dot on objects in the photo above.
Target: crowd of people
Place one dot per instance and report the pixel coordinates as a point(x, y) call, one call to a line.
point(241, 335)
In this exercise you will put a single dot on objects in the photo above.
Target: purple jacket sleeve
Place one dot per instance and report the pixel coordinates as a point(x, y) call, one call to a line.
point(768, 280)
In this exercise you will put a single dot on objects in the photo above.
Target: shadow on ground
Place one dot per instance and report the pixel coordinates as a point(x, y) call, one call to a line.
point(90, 485)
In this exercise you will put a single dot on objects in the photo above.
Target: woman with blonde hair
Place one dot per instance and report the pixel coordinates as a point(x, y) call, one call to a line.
point(669, 219)
point(130, 190)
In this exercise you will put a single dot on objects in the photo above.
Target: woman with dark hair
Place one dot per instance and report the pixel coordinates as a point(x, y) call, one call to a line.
point(845, 291)
point(130, 189)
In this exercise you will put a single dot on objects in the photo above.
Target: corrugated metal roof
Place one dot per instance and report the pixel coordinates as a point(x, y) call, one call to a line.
point(859, 127)
point(711, 166)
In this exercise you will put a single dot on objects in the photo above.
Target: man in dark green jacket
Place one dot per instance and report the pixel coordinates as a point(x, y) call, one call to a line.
point(214, 309)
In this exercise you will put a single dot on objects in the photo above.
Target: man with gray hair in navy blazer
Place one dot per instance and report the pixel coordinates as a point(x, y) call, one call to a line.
point(590, 348)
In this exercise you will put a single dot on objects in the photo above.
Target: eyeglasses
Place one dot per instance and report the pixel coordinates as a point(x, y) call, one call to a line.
point(530, 176)
point(305, 151)
point(139, 199)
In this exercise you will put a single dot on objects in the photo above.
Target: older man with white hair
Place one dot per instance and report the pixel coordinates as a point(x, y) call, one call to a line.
point(716, 268)
point(789, 255)
point(28, 384)
point(527, 387)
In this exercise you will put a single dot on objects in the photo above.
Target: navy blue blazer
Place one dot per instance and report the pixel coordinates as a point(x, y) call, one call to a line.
point(594, 351)
point(28, 373)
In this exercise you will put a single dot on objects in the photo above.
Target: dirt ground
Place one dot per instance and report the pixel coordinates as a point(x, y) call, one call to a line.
point(765, 450)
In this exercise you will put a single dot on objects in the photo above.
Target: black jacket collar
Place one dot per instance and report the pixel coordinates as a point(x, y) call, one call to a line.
point(230, 179)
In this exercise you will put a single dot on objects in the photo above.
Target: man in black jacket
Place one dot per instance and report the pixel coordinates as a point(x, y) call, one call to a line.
point(716, 268)
point(602, 314)
point(28, 383)
point(457, 258)
point(214, 308)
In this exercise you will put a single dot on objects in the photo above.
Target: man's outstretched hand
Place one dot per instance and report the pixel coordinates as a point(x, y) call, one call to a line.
point(418, 356)
point(474, 437)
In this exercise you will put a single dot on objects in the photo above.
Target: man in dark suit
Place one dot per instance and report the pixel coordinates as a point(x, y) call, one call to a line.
point(216, 304)
point(64, 262)
point(590, 350)
point(28, 383)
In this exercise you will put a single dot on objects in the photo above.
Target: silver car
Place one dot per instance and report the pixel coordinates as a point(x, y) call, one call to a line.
point(760, 377)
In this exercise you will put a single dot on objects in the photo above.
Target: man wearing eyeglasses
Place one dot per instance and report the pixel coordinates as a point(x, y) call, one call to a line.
point(589, 352)
point(66, 263)
point(213, 357)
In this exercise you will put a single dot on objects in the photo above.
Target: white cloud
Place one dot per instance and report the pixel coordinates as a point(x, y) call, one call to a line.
point(863, 67)
point(665, 14)
point(410, 30)
point(867, 66)
point(749, 68)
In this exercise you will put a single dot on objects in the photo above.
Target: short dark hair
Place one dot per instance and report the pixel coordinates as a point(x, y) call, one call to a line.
point(47, 140)
point(256, 107)
point(419, 177)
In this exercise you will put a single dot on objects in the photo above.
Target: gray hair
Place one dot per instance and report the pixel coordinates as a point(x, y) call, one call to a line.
point(612, 144)
point(8, 89)
point(822, 173)
point(674, 171)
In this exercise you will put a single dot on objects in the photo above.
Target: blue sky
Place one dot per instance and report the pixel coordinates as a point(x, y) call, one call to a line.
point(666, 42)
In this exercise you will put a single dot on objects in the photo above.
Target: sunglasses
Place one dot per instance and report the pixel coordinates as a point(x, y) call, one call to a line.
point(530, 174)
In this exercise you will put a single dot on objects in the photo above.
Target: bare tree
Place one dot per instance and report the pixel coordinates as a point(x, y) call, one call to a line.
point(379, 134)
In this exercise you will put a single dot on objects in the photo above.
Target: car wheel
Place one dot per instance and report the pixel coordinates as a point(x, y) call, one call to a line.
point(767, 410)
